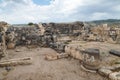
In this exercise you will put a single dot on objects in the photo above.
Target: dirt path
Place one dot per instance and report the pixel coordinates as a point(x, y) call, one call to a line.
point(41, 69)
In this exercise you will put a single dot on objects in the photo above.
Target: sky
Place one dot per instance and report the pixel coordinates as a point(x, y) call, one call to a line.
point(25, 11)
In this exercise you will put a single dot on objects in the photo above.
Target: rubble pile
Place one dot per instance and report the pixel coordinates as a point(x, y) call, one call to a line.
point(47, 34)
point(111, 72)
point(103, 33)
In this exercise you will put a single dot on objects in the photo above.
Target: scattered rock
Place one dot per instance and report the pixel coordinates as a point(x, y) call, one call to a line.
point(62, 55)
point(51, 57)
point(18, 50)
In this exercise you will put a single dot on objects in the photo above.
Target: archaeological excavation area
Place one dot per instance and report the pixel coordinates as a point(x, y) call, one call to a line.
point(59, 51)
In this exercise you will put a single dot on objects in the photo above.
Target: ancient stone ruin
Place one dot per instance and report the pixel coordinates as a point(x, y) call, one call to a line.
point(59, 37)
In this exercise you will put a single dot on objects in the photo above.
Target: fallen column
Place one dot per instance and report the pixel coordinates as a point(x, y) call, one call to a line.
point(15, 62)
point(115, 52)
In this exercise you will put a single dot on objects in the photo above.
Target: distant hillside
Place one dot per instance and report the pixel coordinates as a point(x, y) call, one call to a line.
point(108, 21)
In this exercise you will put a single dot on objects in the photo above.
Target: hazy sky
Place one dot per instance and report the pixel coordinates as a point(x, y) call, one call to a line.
point(24, 11)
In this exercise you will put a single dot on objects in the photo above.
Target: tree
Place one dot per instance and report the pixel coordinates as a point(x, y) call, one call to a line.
point(30, 23)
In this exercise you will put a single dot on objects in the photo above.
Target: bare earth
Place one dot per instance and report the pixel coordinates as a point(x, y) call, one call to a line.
point(41, 69)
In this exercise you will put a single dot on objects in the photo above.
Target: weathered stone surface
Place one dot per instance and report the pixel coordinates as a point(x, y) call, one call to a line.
point(11, 45)
point(88, 70)
point(93, 52)
point(115, 52)
point(104, 72)
point(112, 72)
point(65, 28)
point(78, 55)
point(15, 62)
point(67, 49)
point(73, 52)
point(18, 50)
point(91, 65)
point(51, 57)
point(62, 55)
point(115, 76)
